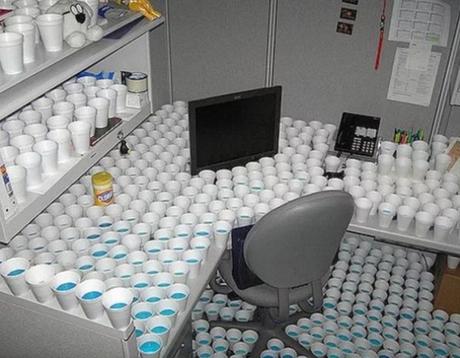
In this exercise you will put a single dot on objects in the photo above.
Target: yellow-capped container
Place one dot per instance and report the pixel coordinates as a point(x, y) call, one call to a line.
point(102, 188)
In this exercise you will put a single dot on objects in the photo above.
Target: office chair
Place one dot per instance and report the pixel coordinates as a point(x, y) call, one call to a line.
point(291, 250)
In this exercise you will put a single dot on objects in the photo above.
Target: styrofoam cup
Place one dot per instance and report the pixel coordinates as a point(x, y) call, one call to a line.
point(89, 293)
point(31, 161)
point(51, 31)
point(13, 272)
point(80, 132)
point(63, 285)
point(386, 212)
point(63, 139)
point(111, 96)
point(102, 110)
point(121, 97)
point(423, 222)
point(149, 345)
point(405, 215)
point(38, 277)
point(117, 303)
point(442, 227)
point(49, 153)
point(27, 30)
point(363, 209)
point(11, 54)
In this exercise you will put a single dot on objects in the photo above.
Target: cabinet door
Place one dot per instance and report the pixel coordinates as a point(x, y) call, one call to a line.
point(217, 46)
point(325, 73)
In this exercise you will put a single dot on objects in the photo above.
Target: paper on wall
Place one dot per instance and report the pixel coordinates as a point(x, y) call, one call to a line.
point(419, 56)
point(409, 85)
point(420, 20)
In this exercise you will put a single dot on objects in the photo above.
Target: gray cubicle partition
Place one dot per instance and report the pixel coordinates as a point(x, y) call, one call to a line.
point(325, 73)
point(219, 46)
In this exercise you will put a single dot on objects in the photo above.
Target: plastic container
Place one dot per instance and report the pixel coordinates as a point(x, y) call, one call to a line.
point(103, 188)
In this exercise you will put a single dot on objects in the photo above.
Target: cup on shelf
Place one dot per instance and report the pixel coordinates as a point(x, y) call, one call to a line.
point(23, 142)
point(104, 83)
point(150, 345)
point(386, 212)
point(13, 272)
point(419, 169)
point(77, 99)
point(30, 117)
point(442, 162)
point(49, 153)
point(64, 109)
point(27, 30)
point(122, 91)
point(38, 277)
point(63, 285)
point(117, 303)
point(80, 132)
point(11, 54)
point(51, 31)
point(36, 130)
point(111, 96)
point(405, 215)
point(363, 209)
point(442, 227)
point(423, 222)
point(31, 161)
point(63, 139)
point(87, 114)
point(102, 111)
point(43, 105)
point(89, 294)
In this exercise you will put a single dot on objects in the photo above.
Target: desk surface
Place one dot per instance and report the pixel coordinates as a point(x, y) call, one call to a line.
point(408, 238)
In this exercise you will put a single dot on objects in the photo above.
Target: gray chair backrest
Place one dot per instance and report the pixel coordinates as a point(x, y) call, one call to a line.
point(295, 244)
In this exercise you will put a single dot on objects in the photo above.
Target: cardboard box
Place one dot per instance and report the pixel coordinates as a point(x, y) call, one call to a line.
point(447, 288)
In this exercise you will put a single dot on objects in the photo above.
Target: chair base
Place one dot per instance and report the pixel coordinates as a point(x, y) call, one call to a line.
point(267, 328)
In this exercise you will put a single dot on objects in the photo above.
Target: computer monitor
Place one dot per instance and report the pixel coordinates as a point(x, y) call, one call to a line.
point(232, 129)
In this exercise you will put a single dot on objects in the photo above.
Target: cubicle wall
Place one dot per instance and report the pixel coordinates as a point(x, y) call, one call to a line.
point(325, 73)
point(219, 46)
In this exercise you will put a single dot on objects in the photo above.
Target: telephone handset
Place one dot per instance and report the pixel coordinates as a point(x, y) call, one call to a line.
point(357, 134)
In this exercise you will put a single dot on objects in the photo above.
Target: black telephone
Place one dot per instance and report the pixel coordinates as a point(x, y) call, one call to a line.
point(357, 134)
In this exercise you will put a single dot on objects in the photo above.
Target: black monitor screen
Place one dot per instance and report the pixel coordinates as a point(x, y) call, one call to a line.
point(233, 129)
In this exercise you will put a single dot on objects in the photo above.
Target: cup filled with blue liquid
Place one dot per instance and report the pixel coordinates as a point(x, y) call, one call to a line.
point(160, 326)
point(64, 285)
point(89, 294)
point(13, 271)
point(117, 303)
point(149, 345)
point(142, 312)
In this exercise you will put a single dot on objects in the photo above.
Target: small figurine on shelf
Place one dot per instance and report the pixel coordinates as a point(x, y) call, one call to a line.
point(78, 22)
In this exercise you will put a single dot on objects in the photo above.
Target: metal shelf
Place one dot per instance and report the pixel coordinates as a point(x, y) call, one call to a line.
point(51, 69)
point(37, 203)
point(371, 228)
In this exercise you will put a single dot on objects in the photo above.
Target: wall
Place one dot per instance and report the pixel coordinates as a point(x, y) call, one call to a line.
point(325, 73)
point(219, 46)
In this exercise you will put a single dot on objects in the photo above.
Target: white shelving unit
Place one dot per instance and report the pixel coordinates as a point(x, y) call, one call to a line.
point(23, 315)
point(36, 202)
point(50, 70)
